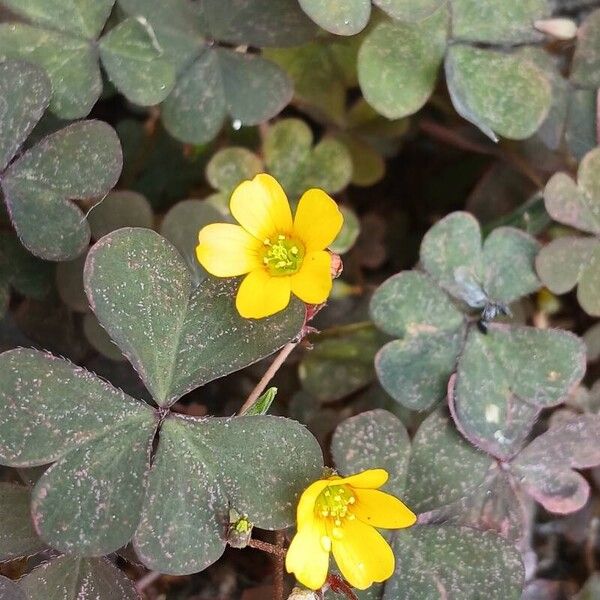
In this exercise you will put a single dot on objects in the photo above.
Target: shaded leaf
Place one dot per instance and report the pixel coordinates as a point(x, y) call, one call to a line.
point(255, 471)
point(338, 366)
point(135, 62)
point(581, 124)
point(80, 161)
point(230, 166)
point(375, 439)
point(585, 71)
point(409, 10)
point(497, 21)
point(439, 562)
point(120, 209)
point(57, 407)
point(349, 233)
point(177, 338)
point(25, 93)
point(503, 94)
point(69, 283)
point(505, 377)
point(569, 261)
point(73, 578)
point(70, 63)
point(9, 590)
point(545, 467)
point(17, 536)
point(100, 340)
point(398, 64)
point(415, 369)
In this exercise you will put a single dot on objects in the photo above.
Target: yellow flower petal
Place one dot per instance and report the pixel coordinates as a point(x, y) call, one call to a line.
point(318, 220)
point(306, 505)
point(363, 555)
point(379, 509)
point(369, 479)
point(261, 295)
point(261, 207)
point(226, 250)
point(312, 283)
point(307, 558)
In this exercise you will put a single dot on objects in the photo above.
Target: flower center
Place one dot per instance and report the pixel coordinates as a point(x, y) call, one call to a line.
point(333, 504)
point(283, 255)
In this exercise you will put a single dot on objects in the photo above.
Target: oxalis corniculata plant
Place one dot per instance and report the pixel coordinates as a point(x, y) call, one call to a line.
point(298, 299)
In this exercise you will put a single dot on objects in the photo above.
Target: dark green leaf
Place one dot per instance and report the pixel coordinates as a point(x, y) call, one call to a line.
point(177, 338)
point(585, 71)
point(9, 590)
point(120, 209)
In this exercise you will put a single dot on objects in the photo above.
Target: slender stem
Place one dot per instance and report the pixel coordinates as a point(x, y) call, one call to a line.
point(148, 579)
point(270, 373)
point(278, 568)
point(266, 547)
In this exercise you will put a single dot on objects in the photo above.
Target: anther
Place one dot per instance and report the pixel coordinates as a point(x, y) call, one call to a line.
point(267, 242)
point(281, 237)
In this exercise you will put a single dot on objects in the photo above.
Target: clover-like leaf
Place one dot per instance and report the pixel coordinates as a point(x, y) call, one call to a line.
point(502, 270)
point(64, 42)
point(100, 340)
point(17, 536)
point(373, 440)
point(80, 161)
point(341, 365)
point(415, 369)
point(398, 64)
point(497, 21)
point(73, 578)
point(230, 166)
point(120, 209)
point(351, 17)
point(546, 466)
point(181, 226)
point(585, 71)
point(572, 261)
point(504, 94)
point(577, 205)
point(499, 390)
point(176, 337)
point(439, 562)
point(226, 457)
point(220, 83)
point(443, 466)
point(291, 158)
point(69, 284)
point(135, 62)
point(9, 590)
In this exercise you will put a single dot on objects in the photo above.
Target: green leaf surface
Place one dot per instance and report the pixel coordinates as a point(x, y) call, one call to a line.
point(17, 536)
point(415, 369)
point(9, 590)
point(100, 340)
point(585, 71)
point(70, 63)
point(577, 205)
point(181, 226)
point(135, 62)
point(368, 165)
point(55, 407)
point(501, 93)
point(504, 379)
point(69, 283)
point(176, 25)
point(497, 21)
point(177, 338)
point(341, 18)
point(545, 467)
point(120, 209)
point(84, 18)
point(341, 365)
point(502, 270)
point(443, 466)
point(263, 403)
point(259, 23)
point(25, 94)
point(398, 64)
point(73, 578)
point(348, 234)
point(257, 465)
point(582, 119)
point(89, 502)
point(375, 439)
point(570, 261)
point(230, 166)
point(410, 11)
point(440, 562)
point(298, 165)
point(222, 82)
point(81, 161)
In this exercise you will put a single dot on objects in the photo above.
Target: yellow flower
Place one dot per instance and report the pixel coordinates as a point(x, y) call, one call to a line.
point(278, 255)
point(339, 515)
